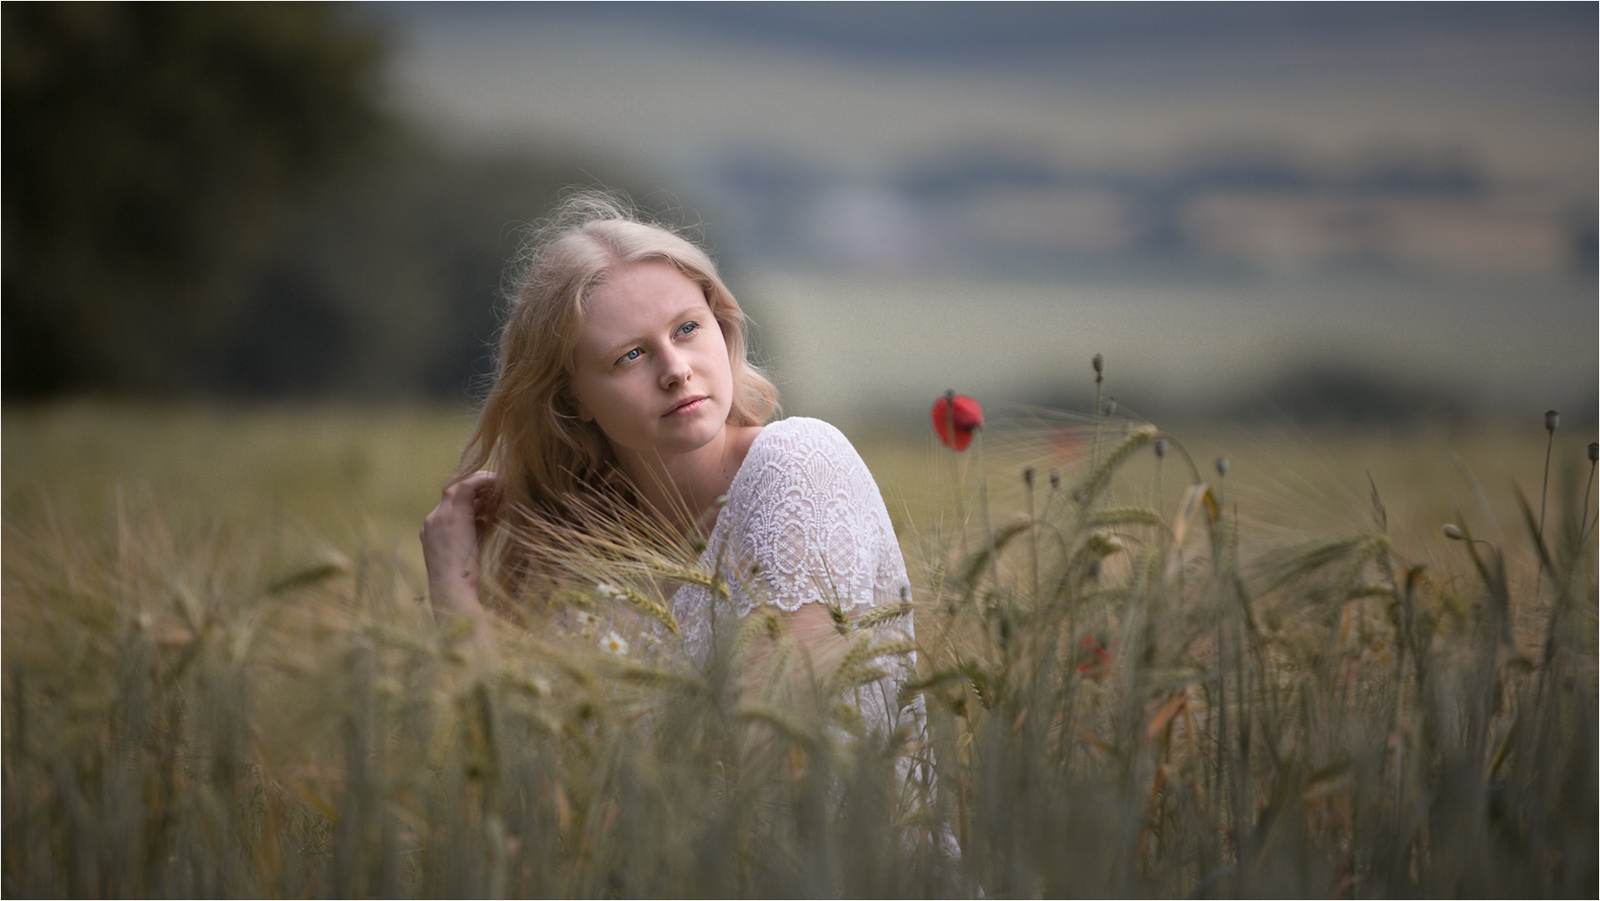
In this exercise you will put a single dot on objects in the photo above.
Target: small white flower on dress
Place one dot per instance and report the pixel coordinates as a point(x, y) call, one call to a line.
point(613, 643)
point(541, 686)
point(610, 592)
point(587, 619)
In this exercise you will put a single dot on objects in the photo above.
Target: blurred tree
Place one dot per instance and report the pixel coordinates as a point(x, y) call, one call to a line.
point(387, 286)
point(151, 155)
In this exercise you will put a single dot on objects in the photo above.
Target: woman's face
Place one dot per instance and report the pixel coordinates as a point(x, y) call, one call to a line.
point(651, 366)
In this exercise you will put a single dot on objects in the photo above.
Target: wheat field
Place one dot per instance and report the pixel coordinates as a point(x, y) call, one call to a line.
point(1141, 676)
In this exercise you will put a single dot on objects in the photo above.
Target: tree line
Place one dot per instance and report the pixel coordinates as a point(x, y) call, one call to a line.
point(221, 200)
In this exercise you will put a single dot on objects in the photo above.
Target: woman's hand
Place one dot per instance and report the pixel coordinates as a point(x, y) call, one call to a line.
point(450, 542)
point(813, 628)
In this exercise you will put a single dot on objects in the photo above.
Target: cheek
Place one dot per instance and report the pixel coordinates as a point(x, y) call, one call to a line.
point(723, 353)
point(585, 398)
point(617, 398)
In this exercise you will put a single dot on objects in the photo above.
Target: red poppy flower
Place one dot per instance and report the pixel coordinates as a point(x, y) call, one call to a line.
point(955, 418)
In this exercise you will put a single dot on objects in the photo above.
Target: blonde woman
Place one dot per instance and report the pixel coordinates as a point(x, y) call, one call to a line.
point(622, 385)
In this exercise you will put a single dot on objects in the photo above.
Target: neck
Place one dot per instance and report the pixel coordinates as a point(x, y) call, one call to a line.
point(683, 489)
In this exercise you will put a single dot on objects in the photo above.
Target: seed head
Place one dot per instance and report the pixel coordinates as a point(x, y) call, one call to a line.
point(1099, 364)
point(1594, 452)
point(1453, 532)
point(1222, 466)
point(1027, 476)
point(1552, 420)
point(1104, 543)
point(1161, 447)
point(1111, 407)
point(1055, 480)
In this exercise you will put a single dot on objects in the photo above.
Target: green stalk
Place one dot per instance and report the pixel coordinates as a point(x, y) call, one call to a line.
point(1099, 377)
point(1552, 420)
point(1583, 519)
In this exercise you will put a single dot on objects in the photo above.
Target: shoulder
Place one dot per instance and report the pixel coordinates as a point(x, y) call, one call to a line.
point(800, 434)
point(791, 447)
point(804, 463)
point(811, 516)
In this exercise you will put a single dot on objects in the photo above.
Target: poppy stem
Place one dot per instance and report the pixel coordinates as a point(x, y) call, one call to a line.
point(1551, 421)
point(1033, 537)
point(983, 508)
point(1544, 489)
point(955, 469)
point(1583, 519)
point(1100, 378)
point(961, 506)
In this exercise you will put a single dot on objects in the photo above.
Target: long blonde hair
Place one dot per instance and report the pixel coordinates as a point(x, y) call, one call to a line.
point(554, 468)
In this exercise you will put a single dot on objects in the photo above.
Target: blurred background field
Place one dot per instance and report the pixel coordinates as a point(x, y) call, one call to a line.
point(366, 475)
point(1348, 213)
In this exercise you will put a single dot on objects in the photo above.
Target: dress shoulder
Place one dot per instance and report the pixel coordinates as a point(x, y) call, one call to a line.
point(805, 523)
point(796, 449)
point(805, 515)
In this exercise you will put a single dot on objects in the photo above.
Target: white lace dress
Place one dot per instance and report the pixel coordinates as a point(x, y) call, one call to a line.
point(805, 524)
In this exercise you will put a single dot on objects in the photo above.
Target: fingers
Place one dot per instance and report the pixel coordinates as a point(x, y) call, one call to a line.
point(476, 482)
point(473, 489)
point(460, 504)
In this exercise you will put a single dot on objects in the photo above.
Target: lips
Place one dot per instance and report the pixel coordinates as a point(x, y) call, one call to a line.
point(686, 406)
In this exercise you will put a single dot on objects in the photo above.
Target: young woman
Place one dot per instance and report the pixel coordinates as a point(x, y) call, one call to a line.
point(623, 394)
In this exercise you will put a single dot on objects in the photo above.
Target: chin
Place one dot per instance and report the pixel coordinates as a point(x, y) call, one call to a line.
point(701, 434)
point(701, 431)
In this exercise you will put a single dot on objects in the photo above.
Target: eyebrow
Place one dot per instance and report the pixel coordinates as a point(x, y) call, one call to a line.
point(629, 343)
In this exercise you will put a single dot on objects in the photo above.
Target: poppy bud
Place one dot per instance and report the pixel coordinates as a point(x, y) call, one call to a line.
point(1027, 476)
point(955, 418)
point(1161, 447)
point(1111, 407)
point(1594, 452)
point(1453, 531)
point(1055, 478)
point(1222, 466)
point(1099, 364)
point(1552, 421)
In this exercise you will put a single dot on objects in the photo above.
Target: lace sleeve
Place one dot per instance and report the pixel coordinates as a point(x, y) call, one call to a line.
point(808, 524)
point(805, 524)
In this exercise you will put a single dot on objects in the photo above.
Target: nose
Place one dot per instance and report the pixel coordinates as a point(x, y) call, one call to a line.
point(675, 369)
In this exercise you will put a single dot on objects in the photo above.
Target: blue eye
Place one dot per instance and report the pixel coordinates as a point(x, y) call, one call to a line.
point(688, 327)
point(631, 355)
